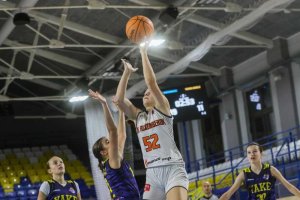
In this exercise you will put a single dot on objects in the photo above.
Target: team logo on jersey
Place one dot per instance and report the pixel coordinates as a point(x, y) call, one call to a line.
point(72, 190)
point(266, 176)
point(152, 124)
point(147, 188)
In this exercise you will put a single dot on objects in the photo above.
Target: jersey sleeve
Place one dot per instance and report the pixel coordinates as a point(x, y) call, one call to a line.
point(45, 188)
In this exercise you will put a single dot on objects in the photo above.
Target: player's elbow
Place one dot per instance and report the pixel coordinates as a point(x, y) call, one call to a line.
point(118, 99)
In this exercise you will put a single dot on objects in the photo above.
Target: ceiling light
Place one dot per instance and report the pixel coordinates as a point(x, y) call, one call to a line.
point(157, 42)
point(110, 74)
point(154, 42)
point(78, 98)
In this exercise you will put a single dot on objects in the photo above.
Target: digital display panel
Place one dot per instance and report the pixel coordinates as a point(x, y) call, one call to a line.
point(256, 100)
point(187, 103)
point(259, 99)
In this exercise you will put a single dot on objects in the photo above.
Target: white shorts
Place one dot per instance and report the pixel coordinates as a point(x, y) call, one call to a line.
point(159, 180)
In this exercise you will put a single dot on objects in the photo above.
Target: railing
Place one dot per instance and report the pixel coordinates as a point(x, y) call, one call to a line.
point(282, 147)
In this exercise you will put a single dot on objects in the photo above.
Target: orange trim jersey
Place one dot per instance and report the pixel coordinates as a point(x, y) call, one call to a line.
point(156, 137)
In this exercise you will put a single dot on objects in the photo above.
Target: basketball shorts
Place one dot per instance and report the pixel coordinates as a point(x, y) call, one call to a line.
point(159, 180)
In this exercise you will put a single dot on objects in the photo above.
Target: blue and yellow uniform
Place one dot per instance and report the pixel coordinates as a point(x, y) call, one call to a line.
point(121, 182)
point(260, 186)
point(59, 192)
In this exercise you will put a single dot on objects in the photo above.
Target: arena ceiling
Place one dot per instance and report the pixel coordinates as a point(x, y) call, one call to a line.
point(70, 44)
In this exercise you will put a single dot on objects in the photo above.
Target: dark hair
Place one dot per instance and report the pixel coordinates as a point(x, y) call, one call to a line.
point(255, 144)
point(97, 147)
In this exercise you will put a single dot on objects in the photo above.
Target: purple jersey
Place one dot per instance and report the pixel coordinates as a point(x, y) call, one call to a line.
point(121, 182)
point(59, 192)
point(260, 186)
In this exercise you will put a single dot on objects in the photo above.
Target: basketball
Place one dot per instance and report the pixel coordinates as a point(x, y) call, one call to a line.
point(139, 28)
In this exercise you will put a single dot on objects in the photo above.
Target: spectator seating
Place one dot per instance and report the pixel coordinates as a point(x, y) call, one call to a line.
point(22, 170)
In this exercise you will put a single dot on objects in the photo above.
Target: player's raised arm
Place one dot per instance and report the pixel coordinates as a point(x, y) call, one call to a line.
point(121, 133)
point(161, 102)
point(114, 156)
point(123, 103)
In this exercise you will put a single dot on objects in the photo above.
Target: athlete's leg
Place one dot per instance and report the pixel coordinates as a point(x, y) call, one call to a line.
point(177, 183)
point(153, 189)
point(177, 193)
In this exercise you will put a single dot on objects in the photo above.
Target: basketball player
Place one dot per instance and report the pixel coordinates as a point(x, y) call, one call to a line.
point(259, 178)
point(207, 190)
point(166, 177)
point(109, 152)
point(58, 187)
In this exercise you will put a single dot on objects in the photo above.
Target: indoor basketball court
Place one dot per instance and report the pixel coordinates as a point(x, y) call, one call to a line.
point(209, 90)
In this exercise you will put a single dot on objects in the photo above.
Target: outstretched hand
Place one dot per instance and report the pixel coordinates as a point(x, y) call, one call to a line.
point(128, 66)
point(115, 100)
point(144, 47)
point(97, 96)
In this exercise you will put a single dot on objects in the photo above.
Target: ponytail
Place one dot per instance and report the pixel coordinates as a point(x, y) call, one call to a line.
point(97, 147)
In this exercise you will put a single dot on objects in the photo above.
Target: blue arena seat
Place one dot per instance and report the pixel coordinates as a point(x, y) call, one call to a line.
point(18, 187)
point(11, 194)
point(24, 181)
point(32, 192)
point(21, 193)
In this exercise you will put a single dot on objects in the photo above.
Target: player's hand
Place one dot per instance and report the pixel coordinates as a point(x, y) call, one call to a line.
point(144, 47)
point(128, 66)
point(97, 96)
point(115, 100)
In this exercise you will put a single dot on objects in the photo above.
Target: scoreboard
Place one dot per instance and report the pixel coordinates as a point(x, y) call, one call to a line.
point(187, 103)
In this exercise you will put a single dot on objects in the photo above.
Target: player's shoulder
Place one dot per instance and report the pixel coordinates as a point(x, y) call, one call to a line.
point(162, 113)
point(70, 181)
point(246, 170)
point(44, 184)
point(266, 165)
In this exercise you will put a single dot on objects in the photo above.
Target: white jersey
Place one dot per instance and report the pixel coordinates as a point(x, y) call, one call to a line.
point(156, 137)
